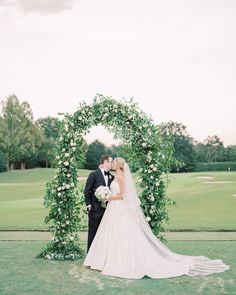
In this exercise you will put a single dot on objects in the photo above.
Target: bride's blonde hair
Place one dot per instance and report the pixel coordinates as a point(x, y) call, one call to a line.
point(121, 162)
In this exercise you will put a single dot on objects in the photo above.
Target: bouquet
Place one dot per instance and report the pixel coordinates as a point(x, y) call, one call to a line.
point(101, 193)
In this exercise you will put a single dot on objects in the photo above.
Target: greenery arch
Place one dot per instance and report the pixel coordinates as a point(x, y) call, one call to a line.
point(153, 154)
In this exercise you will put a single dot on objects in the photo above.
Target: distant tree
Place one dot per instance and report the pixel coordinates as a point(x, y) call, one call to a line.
point(123, 151)
point(94, 152)
point(117, 151)
point(49, 126)
point(19, 138)
point(45, 151)
point(215, 151)
point(113, 150)
point(231, 153)
point(3, 162)
point(183, 145)
point(201, 152)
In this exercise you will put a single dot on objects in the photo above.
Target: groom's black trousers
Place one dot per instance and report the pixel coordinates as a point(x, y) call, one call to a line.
point(94, 219)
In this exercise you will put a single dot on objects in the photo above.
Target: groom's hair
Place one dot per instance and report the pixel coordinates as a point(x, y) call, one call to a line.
point(104, 158)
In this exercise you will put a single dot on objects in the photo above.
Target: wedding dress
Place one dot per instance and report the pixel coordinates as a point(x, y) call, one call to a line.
point(124, 245)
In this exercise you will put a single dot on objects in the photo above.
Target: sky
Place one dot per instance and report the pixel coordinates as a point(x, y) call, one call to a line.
point(176, 58)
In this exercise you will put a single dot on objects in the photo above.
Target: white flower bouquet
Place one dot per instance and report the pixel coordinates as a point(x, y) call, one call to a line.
point(101, 193)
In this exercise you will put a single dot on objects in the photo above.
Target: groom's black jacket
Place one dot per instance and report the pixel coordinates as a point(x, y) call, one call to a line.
point(95, 179)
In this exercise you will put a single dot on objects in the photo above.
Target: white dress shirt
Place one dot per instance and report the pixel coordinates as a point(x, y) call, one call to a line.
point(105, 176)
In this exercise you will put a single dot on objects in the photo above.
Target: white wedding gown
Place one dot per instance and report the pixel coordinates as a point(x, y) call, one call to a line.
point(124, 246)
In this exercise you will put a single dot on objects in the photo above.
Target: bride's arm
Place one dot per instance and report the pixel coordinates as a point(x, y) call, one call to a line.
point(120, 195)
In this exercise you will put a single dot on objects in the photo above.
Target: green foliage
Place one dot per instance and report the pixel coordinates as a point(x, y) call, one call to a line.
point(216, 166)
point(200, 149)
point(94, 152)
point(184, 151)
point(3, 162)
point(214, 149)
point(211, 150)
point(124, 151)
point(45, 151)
point(153, 154)
point(19, 138)
point(231, 153)
point(117, 151)
point(49, 126)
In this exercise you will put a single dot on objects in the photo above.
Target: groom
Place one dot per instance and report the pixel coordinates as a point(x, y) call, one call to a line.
point(101, 176)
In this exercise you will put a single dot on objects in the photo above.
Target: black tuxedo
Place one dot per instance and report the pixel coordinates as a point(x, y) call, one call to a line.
point(95, 179)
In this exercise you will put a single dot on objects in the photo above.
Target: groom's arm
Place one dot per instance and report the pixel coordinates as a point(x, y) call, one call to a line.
point(88, 188)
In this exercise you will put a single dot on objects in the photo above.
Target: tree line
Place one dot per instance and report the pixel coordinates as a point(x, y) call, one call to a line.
point(28, 143)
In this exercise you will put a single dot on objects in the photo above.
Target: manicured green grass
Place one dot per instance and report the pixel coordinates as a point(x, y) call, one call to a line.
point(22, 274)
point(21, 198)
point(201, 206)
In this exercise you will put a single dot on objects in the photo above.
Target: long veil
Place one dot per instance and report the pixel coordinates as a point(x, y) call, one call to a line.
point(131, 197)
point(195, 265)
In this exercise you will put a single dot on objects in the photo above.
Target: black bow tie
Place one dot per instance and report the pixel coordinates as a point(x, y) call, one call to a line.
point(106, 173)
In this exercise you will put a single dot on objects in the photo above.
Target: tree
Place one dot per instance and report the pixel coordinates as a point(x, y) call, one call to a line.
point(49, 125)
point(201, 152)
point(95, 150)
point(231, 153)
point(45, 151)
point(114, 150)
point(214, 149)
point(125, 152)
point(19, 137)
point(183, 145)
point(3, 162)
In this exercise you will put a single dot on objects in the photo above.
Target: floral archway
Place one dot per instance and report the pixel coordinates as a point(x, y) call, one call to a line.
point(152, 153)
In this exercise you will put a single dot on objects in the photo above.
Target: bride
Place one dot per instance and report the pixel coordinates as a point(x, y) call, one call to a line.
point(124, 245)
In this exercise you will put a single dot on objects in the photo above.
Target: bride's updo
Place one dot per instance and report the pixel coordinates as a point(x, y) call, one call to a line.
point(121, 162)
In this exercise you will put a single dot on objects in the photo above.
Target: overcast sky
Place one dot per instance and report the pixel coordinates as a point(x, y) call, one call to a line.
point(177, 59)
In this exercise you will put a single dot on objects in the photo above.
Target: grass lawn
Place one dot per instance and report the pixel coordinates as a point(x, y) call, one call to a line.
point(21, 198)
point(203, 203)
point(22, 274)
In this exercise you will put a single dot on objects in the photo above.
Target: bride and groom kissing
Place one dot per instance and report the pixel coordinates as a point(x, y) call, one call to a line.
point(120, 240)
